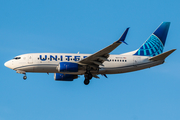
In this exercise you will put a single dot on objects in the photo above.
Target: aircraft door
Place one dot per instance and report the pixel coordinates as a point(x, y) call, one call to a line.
point(136, 60)
point(30, 59)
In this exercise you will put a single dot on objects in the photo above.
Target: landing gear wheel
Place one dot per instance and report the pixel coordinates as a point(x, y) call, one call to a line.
point(24, 77)
point(86, 82)
point(88, 76)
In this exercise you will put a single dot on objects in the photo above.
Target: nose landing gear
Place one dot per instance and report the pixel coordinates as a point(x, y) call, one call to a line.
point(24, 77)
point(22, 72)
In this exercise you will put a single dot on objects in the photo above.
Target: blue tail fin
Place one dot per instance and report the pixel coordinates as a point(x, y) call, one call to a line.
point(154, 45)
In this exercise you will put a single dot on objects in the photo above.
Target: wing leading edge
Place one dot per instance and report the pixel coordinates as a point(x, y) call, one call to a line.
point(99, 57)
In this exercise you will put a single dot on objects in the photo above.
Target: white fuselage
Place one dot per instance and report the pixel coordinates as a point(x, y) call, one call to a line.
point(67, 67)
point(48, 62)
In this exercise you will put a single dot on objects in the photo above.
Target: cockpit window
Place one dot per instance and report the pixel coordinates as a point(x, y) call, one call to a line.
point(17, 58)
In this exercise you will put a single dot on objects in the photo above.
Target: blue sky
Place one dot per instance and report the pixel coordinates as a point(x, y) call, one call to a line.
point(73, 26)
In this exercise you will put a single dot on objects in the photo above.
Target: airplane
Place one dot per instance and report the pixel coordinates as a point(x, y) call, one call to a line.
point(67, 67)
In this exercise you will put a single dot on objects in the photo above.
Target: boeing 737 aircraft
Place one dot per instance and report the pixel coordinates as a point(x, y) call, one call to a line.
point(67, 67)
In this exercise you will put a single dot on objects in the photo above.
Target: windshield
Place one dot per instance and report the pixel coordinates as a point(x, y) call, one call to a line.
point(17, 58)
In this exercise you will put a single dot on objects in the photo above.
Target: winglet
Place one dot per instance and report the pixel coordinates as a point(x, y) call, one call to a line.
point(122, 38)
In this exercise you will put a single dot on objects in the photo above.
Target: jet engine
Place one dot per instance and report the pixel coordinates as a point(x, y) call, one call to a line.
point(64, 77)
point(67, 67)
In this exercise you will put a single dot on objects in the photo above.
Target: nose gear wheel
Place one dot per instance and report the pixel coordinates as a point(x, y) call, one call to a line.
point(25, 77)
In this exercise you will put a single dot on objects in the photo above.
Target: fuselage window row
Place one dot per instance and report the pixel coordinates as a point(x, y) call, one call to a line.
point(113, 60)
point(116, 60)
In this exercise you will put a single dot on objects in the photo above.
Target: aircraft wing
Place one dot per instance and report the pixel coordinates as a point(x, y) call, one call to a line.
point(99, 57)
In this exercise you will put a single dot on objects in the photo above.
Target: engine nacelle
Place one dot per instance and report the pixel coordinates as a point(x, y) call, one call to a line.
point(68, 67)
point(64, 77)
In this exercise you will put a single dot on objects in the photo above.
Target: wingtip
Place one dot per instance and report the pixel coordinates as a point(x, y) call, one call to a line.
point(122, 38)
point(124, 42)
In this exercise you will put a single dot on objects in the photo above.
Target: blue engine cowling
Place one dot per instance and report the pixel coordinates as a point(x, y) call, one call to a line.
point(64, 77)
point(68, 67)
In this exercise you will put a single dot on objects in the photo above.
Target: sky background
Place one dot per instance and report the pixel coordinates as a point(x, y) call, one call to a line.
point(86, 26)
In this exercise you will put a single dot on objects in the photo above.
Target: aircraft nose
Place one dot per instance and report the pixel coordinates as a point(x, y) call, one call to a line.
point(8, 64)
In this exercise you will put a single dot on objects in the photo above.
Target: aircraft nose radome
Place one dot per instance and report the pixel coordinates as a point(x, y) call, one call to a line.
point(7, 64)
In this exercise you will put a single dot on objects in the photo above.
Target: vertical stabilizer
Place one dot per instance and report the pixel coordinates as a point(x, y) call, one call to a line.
point(154, 45)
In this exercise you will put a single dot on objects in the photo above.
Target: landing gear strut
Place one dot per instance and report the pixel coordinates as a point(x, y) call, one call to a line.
point(24, 77)
point(88, 77)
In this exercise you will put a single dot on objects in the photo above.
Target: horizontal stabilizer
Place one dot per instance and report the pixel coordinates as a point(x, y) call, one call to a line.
point(162, 56)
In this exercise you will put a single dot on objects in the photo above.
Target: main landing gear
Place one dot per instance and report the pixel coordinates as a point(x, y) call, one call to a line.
point(24, 77)
point(88, 77)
